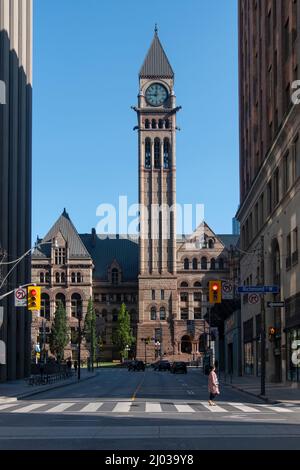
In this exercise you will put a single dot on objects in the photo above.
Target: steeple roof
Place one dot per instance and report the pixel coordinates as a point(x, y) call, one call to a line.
point(156, 64)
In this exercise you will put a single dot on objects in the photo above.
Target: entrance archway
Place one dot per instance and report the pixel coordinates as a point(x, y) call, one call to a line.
point(186, 345)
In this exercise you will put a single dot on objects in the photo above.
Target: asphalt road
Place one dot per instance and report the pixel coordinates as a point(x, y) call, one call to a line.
point(148, 410)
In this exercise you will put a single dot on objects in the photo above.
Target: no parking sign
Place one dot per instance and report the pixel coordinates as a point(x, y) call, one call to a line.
point(227, 290)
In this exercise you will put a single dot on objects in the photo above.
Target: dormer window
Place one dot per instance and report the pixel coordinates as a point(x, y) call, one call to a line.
point(210, 244)
point(60, 256)
point(115, 277)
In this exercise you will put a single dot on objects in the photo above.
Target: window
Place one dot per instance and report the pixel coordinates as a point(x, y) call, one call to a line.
point(60, 256)
point(276, 186)
point(210, 244)
point(221, 263)
point(184, 297)
point(96, 298)
point(115, 316)
point(197, 284)
point(147, 154)
point(73, 278)
point(153, 294)
point(162, 295)
point(197, 314)
point(76, 305)
point(197, 296)
point(147, 124)
point(160, 124)
point(162, 313)
point(42, 278)
point(62, 278)
point(60, 298)
point(153, 124)
point(45, 306)
point(79, 278)
point(166, 154)
point(186, 264)
point(213, 264)
point(119, 298)
point(57, 278)
point(115, 276)
point(184, 314)
point(184, 284)
point(195, 264)
point(157, 153)
point(204, 263)
point(153, 313)
point(167, 124)
point(47, 277)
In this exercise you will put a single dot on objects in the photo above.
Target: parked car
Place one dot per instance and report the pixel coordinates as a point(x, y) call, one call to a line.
point(130, 365)
point(154, 365)
point(137, 366)
point(164, 365)
point(179, 367)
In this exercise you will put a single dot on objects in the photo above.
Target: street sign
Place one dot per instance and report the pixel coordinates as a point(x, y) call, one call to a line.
point(275, 304)
point(258, 289)
point(253, 299)
point(20, 297)
point(227, 290)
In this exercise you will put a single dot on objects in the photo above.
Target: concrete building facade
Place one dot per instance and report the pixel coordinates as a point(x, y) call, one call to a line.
point(269, 213)
point(15, 177)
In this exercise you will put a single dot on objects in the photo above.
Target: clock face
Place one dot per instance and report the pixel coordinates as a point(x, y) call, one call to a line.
point(156, 94)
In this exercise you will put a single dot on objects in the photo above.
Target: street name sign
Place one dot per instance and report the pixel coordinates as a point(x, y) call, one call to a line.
point(258, 289)
point(275, 304)
point(20, 297)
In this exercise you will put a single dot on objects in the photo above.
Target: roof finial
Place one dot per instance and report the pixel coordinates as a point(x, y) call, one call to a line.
point(156, 29)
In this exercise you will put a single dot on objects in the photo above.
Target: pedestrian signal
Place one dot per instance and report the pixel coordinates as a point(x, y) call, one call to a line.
point(34, 298)
point(272, 332)
point(215, 292)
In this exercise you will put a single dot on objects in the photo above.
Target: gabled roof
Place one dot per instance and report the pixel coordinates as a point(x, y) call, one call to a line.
point(229, 240)
point(65, 227)
point(156, 64)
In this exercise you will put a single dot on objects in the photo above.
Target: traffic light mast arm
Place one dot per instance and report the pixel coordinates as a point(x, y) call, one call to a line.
point(12, 291)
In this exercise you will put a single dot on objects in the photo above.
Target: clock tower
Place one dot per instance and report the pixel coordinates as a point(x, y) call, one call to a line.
point(156, 112)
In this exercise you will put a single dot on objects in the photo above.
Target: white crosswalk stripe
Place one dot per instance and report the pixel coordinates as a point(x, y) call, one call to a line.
point(279, 410)
point(5, 407)
point(91, 408)
point(214, 409)
point(27, 409)
point(184, 409)
point(60, 408)
point(245, 408)
point(153, 408)
point(122, 407)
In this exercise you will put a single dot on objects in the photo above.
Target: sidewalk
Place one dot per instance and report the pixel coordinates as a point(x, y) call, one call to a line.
point(288, 394)
point(16, 390)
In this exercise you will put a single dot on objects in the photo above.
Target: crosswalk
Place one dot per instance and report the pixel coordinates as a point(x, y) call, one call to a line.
point(132, 407)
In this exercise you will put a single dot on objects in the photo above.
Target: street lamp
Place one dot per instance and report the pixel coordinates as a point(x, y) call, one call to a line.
point(79, 316)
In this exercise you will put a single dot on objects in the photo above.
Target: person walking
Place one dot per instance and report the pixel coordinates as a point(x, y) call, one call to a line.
point(213, 386)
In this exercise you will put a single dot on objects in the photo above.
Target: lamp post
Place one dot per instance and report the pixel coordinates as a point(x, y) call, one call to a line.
point(79, 316)
point(145, 341)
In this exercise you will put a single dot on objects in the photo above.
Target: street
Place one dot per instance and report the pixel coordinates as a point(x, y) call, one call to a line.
point(151, 410)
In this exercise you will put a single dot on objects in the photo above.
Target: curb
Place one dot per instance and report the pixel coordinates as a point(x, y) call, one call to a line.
point(42, 390)
point(261, 397)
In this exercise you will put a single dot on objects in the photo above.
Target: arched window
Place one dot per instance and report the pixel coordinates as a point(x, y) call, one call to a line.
point(213, 264)
point(204, 263)
point(167, 124)
point(184, 284)
point(148, 154)
point(195, 263)
point(57, 278)
point(160, 124)
point(115, 315)
point(76, 305)
point(147, 124)
point(157, 153)
point(60, 298)
point(62, 278)
point(104, 315)
point(167, 154)
point(47, 277)
point(197, 284)
point(78, 278)
point(45, 306)
point(221, 263)
point(153, 313)
point(210, 244)
point(186, 264)
point(153, 124)
point(115, 276)
point(162, 313)
point(42, 278)
point(73, 278)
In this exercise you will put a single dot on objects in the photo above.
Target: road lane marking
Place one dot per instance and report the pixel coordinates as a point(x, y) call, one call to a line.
point(184, 409)
point(91, 407)
point(245, 408)
point(138, 387)
point(27, 409)
point(5, 407)
point(153, 408)
point(190, 392)
point(122, 407)
point(61, 407)
point(214, 409)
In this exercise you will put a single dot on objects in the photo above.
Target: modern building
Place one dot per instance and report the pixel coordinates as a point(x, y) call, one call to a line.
point(162, 280)
point(269, 212)
point(15, 178)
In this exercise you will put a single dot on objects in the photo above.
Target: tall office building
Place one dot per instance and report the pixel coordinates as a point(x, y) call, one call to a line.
point(269, 212)
point(15, 176)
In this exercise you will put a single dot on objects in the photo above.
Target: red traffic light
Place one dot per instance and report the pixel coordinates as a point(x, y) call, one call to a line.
point(33, 292)
point(215, 287)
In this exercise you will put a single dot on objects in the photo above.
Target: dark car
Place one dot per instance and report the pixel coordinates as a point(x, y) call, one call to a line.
point(179, 368)
point(154, 365)
point(130, 365)
point(164, 365)
point(138, 365)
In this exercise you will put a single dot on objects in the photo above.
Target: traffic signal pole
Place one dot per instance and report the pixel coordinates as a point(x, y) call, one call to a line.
point(263, 324)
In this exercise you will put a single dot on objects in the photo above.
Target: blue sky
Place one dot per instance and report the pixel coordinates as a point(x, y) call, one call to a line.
point(87, 55)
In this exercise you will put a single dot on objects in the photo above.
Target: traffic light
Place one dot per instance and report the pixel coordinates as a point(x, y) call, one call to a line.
point(215, 292)
point(272, 333)
point(34, 298)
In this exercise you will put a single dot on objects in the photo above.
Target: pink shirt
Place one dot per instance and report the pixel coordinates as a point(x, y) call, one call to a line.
point(213, 384)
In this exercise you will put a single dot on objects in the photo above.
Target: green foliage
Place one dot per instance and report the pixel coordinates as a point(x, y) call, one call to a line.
point(59, 337)
point(90, 330)
point(123, 336)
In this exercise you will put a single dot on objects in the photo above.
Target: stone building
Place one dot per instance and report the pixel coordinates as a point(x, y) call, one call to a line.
point(269, 213)
point(15, 180)
point(163, 280)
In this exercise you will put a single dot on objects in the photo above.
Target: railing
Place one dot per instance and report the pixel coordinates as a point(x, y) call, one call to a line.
point(48, 379)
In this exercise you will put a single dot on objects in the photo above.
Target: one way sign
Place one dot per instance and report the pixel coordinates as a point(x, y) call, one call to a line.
point(275, 304)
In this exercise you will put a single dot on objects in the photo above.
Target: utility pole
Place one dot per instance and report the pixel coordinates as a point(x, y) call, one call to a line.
point(79, 341)
point(263, 322)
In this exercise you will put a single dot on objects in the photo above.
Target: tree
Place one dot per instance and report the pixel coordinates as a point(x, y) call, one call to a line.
point(59, 337)
point(90, 330)
point(123, 337)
